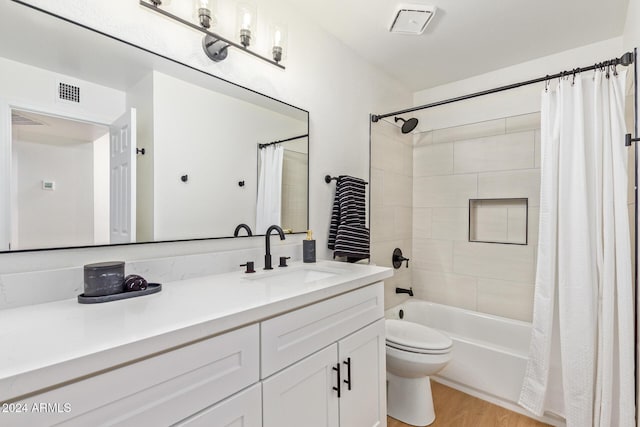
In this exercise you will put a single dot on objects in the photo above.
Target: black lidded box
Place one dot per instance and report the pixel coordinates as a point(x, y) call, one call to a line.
point(103, 278)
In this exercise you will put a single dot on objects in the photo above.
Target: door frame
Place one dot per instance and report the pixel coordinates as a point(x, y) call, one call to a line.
point(7, 105)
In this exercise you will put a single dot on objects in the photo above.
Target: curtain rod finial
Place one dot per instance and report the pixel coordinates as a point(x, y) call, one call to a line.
point(626, 59)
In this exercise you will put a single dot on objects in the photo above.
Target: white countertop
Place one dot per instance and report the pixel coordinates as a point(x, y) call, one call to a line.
point(47, 344)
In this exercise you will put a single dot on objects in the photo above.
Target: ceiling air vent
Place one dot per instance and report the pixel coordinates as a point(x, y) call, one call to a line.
point(412, 18)
point(67, 92)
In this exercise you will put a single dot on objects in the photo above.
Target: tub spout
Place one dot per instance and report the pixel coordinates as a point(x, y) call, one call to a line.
point(405, 291)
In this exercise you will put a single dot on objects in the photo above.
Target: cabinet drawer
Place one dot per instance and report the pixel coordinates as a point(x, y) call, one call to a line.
point(243, 409)
point(160, 390)
point(288, 338)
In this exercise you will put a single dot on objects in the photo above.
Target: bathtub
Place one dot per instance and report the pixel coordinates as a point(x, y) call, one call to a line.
point(489, 354)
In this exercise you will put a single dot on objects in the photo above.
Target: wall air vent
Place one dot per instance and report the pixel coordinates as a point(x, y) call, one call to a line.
point(67, 92)
point(412, 18)
point(19, 120)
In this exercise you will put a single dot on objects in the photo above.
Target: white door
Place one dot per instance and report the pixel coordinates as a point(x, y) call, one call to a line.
point(122, 170)
point(303, 394)
point(362, 356)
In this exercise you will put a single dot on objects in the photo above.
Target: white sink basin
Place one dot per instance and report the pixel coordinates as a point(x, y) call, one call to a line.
point(293, 275)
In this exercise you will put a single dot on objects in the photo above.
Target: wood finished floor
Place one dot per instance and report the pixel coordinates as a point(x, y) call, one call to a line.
point(456, 409)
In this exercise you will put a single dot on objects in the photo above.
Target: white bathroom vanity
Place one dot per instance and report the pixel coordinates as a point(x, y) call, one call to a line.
point(302, 345)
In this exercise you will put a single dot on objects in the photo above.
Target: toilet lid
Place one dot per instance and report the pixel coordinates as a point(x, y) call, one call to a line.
point(411, 335)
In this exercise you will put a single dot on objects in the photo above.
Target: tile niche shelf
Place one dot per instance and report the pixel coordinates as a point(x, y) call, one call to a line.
point(502, 221)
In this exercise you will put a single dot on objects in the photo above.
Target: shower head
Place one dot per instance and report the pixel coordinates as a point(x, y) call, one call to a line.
point(407, 125)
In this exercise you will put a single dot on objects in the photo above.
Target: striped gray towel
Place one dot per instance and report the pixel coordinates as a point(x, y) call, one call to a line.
point(348, 234)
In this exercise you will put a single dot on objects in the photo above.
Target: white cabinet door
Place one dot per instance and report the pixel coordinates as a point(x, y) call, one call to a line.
point(240, 410)
point(302, 394)
point(362, 358)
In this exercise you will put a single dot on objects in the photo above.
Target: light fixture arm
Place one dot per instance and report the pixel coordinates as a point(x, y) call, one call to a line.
point(218, 41)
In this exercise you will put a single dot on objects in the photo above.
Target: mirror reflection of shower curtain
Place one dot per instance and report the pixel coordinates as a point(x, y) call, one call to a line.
point(269, 206)
point(580, 362)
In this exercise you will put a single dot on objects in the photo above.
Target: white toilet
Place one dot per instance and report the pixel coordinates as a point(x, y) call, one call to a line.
point(414, 352)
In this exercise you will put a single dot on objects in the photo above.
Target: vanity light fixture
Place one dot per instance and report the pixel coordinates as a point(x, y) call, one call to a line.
point(279, 38)
point(246, 17)
point(203, 10)
point(215, 46)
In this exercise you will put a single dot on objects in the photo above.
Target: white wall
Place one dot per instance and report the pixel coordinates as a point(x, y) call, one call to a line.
point(513, 102)
point(32, 88)
point(631, 35)
point(213, 139)
point(323, 76)
point(60, 217)
point(140, 97)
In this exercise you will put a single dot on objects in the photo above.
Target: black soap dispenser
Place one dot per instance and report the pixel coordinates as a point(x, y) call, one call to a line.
point(309, 248)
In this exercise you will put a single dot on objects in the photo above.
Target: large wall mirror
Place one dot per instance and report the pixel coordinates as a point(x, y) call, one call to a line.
point(77, 109)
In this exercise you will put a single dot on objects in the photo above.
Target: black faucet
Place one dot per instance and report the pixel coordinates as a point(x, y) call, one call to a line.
point(240, 226)
point(267, 256)
point(405, 291)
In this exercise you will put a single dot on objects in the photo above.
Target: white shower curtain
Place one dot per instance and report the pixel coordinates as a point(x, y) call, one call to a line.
point(269, 188)
point(581, 354)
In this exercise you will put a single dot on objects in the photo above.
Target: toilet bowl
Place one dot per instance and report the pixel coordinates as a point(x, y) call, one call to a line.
point(414, 352)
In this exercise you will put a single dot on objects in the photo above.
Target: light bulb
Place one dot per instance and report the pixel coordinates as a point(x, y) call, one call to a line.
point(204, 13)
point(277, 38)
point(246, 18)
point(246, 21)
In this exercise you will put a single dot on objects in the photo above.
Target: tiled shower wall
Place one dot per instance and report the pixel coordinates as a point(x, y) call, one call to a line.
point(419, 202)
point(391, 191)
point(294, 190)
point(493, 159)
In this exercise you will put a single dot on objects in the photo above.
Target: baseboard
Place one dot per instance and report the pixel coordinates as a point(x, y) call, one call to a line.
point(512, 406)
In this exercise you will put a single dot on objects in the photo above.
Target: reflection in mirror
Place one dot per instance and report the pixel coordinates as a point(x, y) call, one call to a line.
point(282, 184)
point(82, 106)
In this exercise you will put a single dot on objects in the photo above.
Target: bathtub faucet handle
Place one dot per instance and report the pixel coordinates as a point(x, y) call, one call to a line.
point(397, 258)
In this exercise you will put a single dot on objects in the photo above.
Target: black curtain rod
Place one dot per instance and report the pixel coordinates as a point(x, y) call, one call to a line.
point(625, 60)
point(261, 146)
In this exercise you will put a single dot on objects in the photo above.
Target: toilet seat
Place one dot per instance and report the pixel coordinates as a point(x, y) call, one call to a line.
point(416, 338)
point(417, 350)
